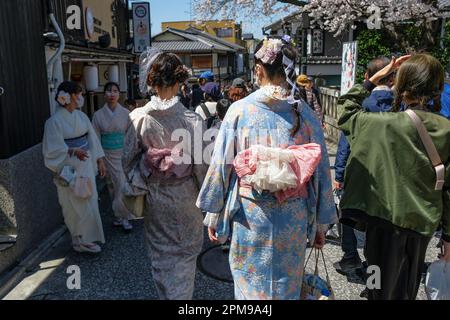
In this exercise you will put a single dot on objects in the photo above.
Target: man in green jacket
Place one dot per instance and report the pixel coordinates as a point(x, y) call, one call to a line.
point(390, 178)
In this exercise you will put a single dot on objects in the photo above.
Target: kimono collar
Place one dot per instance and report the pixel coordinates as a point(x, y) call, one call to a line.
point(276, 92)
point(157, 103)
point(110, 112)
point(273, 92)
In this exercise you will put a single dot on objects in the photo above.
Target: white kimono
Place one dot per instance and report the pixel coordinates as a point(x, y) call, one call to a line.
point(81, 216)
point(110, 128)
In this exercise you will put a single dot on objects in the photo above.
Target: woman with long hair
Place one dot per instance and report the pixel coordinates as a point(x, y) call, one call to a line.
point(269, 181)
point(393, 190)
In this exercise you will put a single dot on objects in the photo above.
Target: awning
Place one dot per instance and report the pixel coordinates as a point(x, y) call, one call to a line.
point(83, 54)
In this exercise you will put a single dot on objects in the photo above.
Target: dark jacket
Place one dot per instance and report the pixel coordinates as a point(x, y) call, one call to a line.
point(380, 100)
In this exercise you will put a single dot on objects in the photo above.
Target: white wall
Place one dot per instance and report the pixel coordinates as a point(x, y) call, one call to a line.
point(325, 69)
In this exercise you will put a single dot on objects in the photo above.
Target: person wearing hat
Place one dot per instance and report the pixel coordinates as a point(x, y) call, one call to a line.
point(206, 77)
point(212, 95)
point(308, 94)
point(238, 90)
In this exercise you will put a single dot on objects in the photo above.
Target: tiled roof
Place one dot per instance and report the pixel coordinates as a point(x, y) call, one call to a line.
point(195, 41)
point(444, 4)
point(215, 39)
point(181, 46)
point(324, 60)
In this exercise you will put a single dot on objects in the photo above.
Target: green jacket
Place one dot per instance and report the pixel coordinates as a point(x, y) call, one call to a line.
point(389, 174)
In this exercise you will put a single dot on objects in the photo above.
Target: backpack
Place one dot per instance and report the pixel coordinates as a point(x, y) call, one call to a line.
point(210, 119)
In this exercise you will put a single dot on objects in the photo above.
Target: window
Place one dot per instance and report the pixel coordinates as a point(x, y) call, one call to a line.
point(201, 62)
point(224, 32)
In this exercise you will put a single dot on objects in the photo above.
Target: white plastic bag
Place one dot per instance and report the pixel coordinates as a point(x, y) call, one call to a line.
point(437, 283)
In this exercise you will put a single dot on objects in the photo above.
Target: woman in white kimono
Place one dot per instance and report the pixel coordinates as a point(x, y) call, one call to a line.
point(73, 153)
point(111, 123)
point(151, 162)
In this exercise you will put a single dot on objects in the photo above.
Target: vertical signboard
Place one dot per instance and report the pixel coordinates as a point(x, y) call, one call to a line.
point(141, 26)
point(349, 63)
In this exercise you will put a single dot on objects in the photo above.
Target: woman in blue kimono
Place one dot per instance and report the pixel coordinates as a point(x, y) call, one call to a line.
point(269, 237)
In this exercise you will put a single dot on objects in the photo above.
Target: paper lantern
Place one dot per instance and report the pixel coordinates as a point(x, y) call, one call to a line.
point(113, 73)
point(91, 78)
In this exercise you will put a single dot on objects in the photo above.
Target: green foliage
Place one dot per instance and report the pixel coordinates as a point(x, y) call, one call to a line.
point(371, 44)
point(406, 38)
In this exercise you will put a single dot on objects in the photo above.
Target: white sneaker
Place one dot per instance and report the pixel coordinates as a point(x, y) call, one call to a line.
point(87, 248)
point(126, 225)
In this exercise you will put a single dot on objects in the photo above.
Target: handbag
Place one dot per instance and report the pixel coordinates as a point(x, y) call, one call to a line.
point(135, 204)
point(313, 286)
point(430, 148)
point(83, 187)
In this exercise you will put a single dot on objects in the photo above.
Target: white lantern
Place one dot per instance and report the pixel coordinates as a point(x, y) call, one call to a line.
point(113, 73)
point(91, 78)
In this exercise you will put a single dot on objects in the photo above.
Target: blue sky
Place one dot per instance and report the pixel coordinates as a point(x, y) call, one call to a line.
point(179, 10)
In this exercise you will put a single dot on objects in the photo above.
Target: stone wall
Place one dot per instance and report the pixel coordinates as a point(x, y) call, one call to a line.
point(29, 205)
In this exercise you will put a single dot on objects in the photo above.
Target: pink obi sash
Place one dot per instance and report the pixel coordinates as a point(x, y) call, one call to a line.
point(161, 164)
point(283, 172)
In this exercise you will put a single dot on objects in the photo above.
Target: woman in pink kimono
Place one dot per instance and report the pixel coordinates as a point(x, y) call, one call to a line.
point(158, 166)
point(111, 123)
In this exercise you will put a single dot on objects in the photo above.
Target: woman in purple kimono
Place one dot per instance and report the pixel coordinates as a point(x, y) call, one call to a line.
point(269, 182)
point(163, 169)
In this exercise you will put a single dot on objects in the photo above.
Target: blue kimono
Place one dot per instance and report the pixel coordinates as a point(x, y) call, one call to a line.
point(269, 239)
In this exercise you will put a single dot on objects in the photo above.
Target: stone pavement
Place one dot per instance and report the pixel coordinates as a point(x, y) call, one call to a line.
point(122, 270)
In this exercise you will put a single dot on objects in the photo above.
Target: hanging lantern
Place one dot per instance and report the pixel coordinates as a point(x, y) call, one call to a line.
point(91, 78)
point(113, 73)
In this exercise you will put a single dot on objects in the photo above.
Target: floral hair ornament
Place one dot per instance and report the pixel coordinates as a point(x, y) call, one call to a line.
point(146, 61)
point(269, 51)
point(63, 98)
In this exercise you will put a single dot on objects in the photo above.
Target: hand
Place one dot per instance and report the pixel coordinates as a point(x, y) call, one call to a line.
point(446, 255)
point(81, 154)
point(319, 242)
point(338, 185)
point(212, 235)
point(101, 168)
point(394, 65)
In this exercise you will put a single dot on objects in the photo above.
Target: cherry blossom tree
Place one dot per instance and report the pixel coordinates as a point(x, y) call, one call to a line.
point(332, 15)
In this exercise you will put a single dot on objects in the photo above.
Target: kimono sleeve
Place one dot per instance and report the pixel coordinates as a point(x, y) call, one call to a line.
point(132, 149)
point(96, 124)
point(215, 188)
point(95, 146)
point(54, 148)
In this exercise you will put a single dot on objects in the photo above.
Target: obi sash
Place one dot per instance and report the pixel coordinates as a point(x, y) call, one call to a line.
point(161, 164)
point(113, 140)
point(78, 143)
point(282, 172)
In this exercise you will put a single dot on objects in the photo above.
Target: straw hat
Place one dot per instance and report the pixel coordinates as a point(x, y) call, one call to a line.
point(302, 80)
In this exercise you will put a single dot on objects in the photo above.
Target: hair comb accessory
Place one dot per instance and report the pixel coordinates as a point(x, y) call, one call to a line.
point(63, 98)
point(146, 61)
point(269, 51)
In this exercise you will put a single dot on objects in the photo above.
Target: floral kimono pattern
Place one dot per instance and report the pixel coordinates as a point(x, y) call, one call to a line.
point(269, 238)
